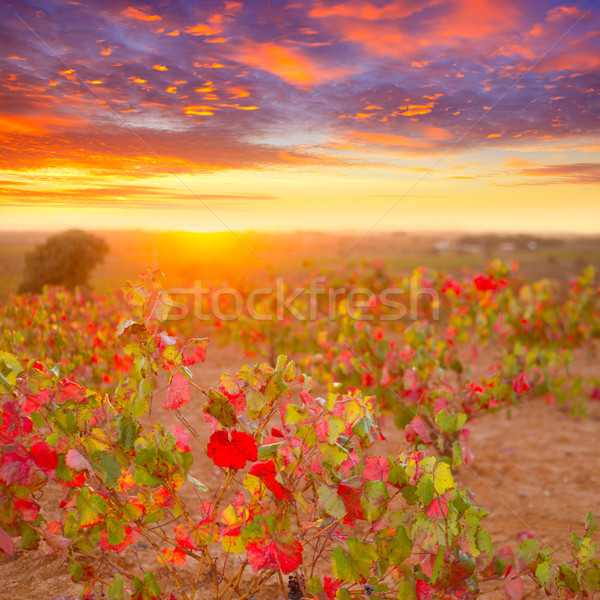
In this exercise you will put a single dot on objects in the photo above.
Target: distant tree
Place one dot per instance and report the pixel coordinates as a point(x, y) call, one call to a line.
point(65, 259)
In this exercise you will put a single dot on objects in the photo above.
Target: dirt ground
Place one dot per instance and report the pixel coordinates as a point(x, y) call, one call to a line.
point(538, 471)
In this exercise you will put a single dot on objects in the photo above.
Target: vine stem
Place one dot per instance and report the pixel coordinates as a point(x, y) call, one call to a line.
point(232, 582)
point(281, 583)
point(146, 534)
point(197, 576)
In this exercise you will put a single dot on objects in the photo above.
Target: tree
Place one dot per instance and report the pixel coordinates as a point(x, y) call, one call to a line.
point(65, 259)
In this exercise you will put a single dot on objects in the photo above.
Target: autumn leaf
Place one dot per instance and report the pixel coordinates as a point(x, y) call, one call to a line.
point(44, 456)
point(76, 461)
point(267, 550)
point(219, 407)
point(513, 589)
point(6, 544)
point(376, 468)
point(175, 556)
point(355, 563)
point(194, 351)
point(181, 437)
point(179, 393)
point(266, 472)
point(231, 453)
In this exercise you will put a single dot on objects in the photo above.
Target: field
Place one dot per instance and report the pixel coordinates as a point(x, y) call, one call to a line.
point(454, 453)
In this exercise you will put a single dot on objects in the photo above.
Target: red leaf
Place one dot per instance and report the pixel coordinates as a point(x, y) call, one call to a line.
point(231, 454)
point(44, 456)
point(15, 468)
point(194, 351)
point(176, 557)
point(266, 472)
point(423, 590)
point(179, 393)
point(351, 490)
point(513, 590)
point(77, 462)
point(181, 437)
point(484, 283)
point(129, 539)
point(376, 468)
point(416, 428)
point(182, 537)
point(520, 384)
point(331, 586)
point(6, 543)
point(162, 497)
point(28, 510)
point(268, 553)
point(71, 391)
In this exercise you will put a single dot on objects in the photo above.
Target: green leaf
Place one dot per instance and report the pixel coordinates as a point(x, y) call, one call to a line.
point(150, 584)
point(543, 573)
point(330, 501)
point(314, 586)
point(425, 490)
point(407, 589)
point(10, 367)
point(256, 403)
point(569, 577)
point(29, 538)
point(438, 564)
point(587, 552)
point(115, 532)
point(373, 499)
point(115, 589)
point(76, 571)
point(333, 454)
point(111, 469)
point(220, 408)
point(397, 474)
point(91, 506)
point(276, 385)
point(400, 547)
point(267, 450)
point(590, 524)
point(128, 429)
point(527, 551)
point(196, 483)
point(343, 594)
point(484, 542)
point(355, 563)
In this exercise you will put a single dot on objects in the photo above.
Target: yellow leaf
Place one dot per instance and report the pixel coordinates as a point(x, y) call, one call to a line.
point(443, 480)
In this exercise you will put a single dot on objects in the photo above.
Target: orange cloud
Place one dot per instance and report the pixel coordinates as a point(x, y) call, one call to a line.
point(369, 12)
point(136, 13)
point(381, 30)
point(291, 64)
point(202, 29)
point(387, 140)
point(159, 67)
point(416, 109)
point(559, 13)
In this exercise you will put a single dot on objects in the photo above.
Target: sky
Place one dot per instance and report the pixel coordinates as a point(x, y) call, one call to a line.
point(363, 115)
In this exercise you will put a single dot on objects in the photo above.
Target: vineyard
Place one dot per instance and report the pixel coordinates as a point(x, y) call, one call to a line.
point(324, 455)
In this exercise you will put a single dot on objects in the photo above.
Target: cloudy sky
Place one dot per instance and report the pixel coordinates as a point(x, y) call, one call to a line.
point(311, 114)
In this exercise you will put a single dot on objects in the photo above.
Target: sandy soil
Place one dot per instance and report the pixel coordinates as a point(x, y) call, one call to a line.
point(538, 471)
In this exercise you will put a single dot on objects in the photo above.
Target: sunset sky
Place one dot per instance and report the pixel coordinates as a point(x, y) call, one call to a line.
point(310, 114)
